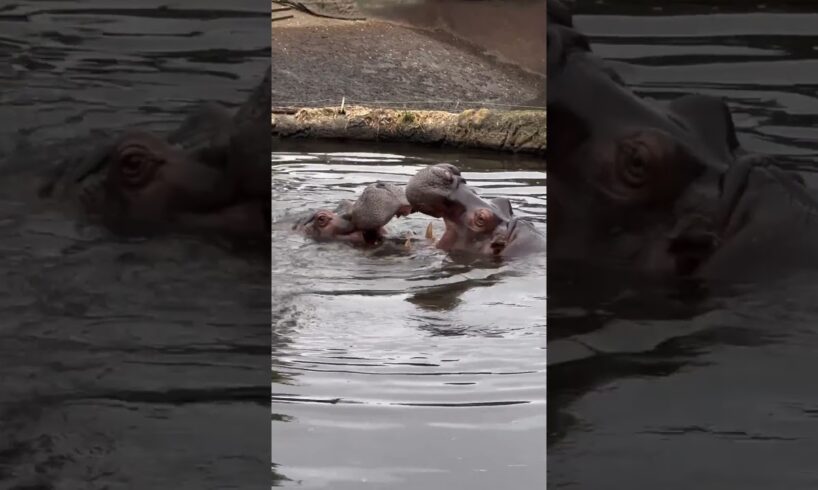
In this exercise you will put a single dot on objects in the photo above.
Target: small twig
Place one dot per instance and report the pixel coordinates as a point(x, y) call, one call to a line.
point(285, 17)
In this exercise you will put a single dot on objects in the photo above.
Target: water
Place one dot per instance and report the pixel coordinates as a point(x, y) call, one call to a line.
point(402, 368)
point(667, 385)
point(114, 374)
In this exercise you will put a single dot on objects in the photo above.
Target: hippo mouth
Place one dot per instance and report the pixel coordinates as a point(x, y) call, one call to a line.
point(697, 236)
point(472, 223)
point(702, 237)
point(504, 237)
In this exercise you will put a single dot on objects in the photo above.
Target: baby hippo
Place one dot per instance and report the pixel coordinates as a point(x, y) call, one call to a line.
point(473, 224)
point(360, 222)
point(329, 224)
point(376, 206)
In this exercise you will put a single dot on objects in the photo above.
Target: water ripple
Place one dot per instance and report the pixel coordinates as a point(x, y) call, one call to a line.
point(394, 343)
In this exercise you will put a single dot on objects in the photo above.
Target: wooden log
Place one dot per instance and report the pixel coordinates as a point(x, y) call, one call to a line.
point(514, 131)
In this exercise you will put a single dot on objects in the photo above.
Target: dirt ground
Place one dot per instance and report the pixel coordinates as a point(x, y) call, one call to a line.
point(423, 58)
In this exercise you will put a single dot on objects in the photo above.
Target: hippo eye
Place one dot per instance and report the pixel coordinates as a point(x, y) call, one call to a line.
point(483, 220)
point(322, 220)
point(634, 166)
point(136, 165)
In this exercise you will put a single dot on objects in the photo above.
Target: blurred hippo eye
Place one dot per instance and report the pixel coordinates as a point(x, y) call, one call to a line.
point(483, 220)
point(136, 165)
point(322, 220)
point(633, 164)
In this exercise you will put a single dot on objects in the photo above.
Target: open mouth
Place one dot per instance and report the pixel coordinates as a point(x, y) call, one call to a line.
point(503, 236)
point(697, 236)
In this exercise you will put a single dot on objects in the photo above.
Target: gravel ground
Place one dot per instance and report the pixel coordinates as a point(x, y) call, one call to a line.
point(317, 61)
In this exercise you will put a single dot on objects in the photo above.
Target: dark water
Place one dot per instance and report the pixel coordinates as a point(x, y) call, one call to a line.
point(124, 364)
point(663, 386)
point(402, 369)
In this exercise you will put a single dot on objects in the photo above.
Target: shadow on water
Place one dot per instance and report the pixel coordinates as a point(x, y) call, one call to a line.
point(125, 362)
point(668, 384)
point(406, 368)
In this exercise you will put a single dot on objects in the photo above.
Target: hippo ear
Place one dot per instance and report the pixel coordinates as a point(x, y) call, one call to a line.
point(447, 172)
point(449, 167)
point(503, 206)
point(710, 118)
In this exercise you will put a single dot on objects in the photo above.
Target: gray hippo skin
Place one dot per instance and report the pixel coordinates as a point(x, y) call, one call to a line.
point(209, 176)
point(473, 225)
point(329, 225)
point(359, 222)
point(375, 207)
point(658, 188)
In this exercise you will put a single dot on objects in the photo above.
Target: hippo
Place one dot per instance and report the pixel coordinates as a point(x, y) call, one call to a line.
point(329, 225)
point(209, 176)
point(656, 188)
point(473, 225)
point(359, 222)
point(375, 207)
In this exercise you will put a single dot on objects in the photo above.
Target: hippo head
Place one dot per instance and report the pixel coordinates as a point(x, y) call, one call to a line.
point(472, 223)
point(631, 181)
point(360, 221)
point(442, 192)
point(329, 224)
point(657, 188)
point(376, 206)
point(144, 182)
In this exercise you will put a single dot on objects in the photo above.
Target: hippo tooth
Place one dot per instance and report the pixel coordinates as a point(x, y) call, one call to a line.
point(430, 232)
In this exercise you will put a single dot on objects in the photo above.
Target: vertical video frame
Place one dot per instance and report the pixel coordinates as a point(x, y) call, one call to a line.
point(408, 244)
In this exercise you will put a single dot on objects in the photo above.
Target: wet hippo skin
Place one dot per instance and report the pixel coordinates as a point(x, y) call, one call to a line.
point(657, 188)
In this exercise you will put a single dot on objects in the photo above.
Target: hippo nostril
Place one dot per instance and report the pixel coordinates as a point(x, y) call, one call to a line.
point(498, 246)
point(692, 249)
point(694, 242)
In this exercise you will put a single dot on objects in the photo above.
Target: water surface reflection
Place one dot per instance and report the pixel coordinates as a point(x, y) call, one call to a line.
point(406, 369)
point(674, 384)
point(125, 362)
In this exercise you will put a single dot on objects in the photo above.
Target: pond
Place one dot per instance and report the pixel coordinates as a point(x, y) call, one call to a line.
point(126, 364)
point(400, 367)
point(658, 386)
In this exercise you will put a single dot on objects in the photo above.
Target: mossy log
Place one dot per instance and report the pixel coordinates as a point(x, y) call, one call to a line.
point(514, 131)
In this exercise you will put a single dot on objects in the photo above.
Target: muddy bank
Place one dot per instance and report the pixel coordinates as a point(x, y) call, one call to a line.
point(427, 64)
point(514, 131)
point(317, 61)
